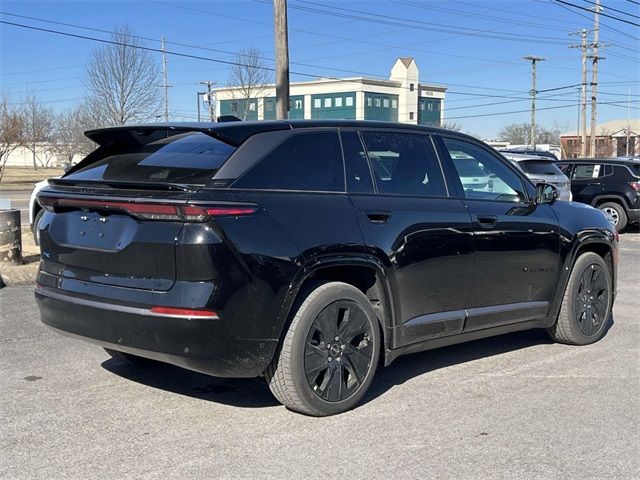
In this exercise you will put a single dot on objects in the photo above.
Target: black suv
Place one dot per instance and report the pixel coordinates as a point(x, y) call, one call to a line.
point(612, 185)
point(310, 252)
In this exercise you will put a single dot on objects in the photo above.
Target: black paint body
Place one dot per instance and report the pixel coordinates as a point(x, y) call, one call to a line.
point(436, 272)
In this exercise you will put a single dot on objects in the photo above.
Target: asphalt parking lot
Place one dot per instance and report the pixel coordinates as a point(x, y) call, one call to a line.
point(516, 406)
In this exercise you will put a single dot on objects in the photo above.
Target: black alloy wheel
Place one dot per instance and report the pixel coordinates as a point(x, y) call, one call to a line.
point(329, 354)
point(586, 304)
point(338, 351)
point(592, 299)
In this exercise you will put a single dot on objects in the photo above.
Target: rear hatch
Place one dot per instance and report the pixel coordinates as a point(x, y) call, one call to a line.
point(116, 217)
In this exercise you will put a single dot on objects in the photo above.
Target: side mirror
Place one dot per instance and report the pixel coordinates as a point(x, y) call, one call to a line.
point(546, 193)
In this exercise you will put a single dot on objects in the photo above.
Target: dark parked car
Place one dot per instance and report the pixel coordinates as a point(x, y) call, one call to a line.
point(612, 185)
point(530, 151)
point(310, 252)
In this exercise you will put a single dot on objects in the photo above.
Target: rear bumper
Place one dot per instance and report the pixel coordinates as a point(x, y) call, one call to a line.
point(199, 344)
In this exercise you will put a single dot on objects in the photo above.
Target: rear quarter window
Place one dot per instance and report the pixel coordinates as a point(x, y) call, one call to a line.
point(191, 158)
point(304, 161)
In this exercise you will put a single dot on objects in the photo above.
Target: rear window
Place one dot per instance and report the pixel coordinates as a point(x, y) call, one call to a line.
point(635, 169)
point(190, 158)
point(539, 167)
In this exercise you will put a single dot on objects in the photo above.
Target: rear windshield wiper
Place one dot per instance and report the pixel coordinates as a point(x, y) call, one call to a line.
point(123, 184)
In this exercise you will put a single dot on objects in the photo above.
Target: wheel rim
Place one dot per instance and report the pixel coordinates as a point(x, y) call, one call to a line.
point(592, 300)
point(613, 215)
point(338, 351)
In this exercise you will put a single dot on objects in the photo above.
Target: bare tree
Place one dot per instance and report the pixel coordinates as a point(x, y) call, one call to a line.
point(38, 129)
point(123, 81)
point(451, 125)
point(11, 131)
point(250, 76)
point(70, 139)
point(518, 133)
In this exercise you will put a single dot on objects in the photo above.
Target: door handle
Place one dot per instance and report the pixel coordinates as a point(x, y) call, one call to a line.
point(378, 217)
point(487, 221)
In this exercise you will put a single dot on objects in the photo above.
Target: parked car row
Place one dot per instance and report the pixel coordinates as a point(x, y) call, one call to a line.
point(312, 252)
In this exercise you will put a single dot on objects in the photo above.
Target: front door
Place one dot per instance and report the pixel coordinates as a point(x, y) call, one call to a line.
point(516, 242)
point(408, 218)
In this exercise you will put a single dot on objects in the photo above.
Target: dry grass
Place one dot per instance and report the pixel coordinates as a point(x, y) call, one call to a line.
point(23, 178)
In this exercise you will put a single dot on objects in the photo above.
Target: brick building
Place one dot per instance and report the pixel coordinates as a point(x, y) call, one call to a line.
point(612, 139)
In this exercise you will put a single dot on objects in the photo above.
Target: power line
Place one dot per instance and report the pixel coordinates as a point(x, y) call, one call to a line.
point(613, 9)
point(603, 14)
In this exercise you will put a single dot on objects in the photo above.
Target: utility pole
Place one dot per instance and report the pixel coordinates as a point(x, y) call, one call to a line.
point(282, 58)
point(210, 100)
point(628, 119)
point(583, 98)
point(533, 60)
point(165, 85)
point(594, 77)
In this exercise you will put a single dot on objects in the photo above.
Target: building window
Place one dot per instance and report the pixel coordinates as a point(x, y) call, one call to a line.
point(378, 102)
point(338, 102)
point(369, 102)
point(349, 101)
point(268, 106)
point(600, 142)
point(317, 103)
point(411, 87)
point(297, 104)
point(327, 103)
point(422, 105)
point(410, 115)
point(385, 103)
point(430, 106)
point(234, 106)
point(394, 103)
point(252, 107)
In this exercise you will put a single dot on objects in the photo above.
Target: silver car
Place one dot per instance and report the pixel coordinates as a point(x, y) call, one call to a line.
point(542, 170)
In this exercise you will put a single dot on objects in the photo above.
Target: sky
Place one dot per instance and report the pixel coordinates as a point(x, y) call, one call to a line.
point(473, 47)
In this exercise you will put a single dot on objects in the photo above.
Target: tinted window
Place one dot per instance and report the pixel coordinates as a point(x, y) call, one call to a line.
point(496, 181)
point(588, 171)
point(356, 166)
point(564, 167)
point(186, 158)
point(635, 169)
point(304, 161)
point(541, 167)
point(404, 164)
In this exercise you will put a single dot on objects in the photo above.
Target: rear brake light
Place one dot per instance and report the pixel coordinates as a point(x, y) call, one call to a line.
point(150, 211)
point(183, 312)
point(635, 186)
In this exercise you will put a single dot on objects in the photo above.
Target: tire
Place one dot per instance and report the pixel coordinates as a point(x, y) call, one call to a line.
point(315, 374)
point(129, 359)
point(616, 213)
point(586, 305)
point(36, 231)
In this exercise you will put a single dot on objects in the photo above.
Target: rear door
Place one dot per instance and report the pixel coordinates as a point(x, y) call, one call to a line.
point(516, 242)
point(409, 219)
point(586, 180)
point(110, 221)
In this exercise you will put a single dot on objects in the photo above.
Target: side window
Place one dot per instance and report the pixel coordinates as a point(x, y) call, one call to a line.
point(404, 164)
point(588, 171)
point(482, 175)
point(304, 161)
point(356, 166)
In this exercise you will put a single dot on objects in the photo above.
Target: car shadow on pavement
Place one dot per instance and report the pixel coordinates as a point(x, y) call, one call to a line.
point(254, 393)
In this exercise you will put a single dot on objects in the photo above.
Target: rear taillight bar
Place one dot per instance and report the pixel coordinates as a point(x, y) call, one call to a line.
point(183, 312)
point(635, 186)
point(150, 211)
